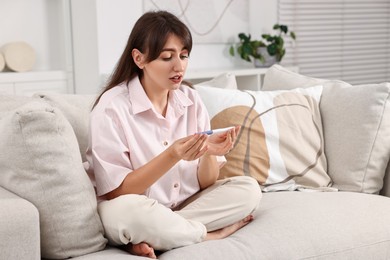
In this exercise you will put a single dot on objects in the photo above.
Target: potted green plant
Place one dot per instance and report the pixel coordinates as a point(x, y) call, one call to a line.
point(270, 49)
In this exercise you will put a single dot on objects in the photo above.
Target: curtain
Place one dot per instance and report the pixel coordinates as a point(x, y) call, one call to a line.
point(345, 39)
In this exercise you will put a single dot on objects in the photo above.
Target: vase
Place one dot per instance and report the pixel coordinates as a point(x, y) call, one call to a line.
point(269, 60)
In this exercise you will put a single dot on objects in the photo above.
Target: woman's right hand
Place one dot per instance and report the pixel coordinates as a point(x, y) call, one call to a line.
point(189, 148)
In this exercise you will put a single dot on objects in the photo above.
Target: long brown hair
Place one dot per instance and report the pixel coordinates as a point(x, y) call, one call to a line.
point(149, 35)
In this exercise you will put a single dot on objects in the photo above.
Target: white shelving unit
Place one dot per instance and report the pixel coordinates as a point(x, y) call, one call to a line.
point(28, 83)
point(247, 78)
point(54, 69)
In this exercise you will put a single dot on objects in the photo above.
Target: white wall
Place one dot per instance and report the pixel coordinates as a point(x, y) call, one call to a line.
point(85, 46)
point(115, 18)
point(100, 29)
point(39, 23)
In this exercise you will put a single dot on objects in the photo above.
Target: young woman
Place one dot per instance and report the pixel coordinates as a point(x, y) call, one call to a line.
point(155, 174)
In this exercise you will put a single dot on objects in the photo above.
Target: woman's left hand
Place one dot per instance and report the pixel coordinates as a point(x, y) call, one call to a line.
point(221, 144)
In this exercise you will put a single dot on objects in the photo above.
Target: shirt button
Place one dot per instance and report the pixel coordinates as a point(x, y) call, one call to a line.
point(165, 143)
point(176, 185)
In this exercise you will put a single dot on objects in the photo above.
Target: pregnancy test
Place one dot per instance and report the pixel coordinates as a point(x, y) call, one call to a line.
point(217, 131)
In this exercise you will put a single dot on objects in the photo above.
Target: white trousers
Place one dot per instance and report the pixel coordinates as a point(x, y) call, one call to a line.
point(136, 218)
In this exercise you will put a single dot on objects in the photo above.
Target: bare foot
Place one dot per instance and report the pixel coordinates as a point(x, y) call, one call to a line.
point(227, 231)
point(141, 249)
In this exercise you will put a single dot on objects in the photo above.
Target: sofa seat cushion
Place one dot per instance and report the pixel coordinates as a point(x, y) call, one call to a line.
point(305, 225)
point(110, 253)
point(297, 225)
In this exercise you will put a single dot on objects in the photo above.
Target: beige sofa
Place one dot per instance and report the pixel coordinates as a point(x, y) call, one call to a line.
point(48, 208)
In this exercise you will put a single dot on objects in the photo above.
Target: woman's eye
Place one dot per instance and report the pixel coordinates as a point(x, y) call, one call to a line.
point(166, 58)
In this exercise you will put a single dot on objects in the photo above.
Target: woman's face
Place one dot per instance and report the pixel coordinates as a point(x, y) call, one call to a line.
point(167, 71)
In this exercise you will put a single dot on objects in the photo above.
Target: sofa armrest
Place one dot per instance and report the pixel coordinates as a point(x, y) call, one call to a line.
point(19, 228)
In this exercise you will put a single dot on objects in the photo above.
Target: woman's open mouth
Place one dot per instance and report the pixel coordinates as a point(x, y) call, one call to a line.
point(176, 79)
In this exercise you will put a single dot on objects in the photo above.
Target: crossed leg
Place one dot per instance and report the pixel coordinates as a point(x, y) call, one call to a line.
point(143, 249)
point(214, 213)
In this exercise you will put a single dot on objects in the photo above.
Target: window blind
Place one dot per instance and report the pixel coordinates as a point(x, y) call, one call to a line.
point(339, 39)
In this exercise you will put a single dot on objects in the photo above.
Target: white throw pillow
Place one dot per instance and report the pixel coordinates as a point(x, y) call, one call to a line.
point(225, 80)
point(356, 122)
point(280, 143)
point(279, 78)
point(40, 162)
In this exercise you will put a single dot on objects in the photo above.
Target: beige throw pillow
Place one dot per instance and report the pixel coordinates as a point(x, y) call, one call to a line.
point(280, 143)
point(40, 162)
point(356, 122)
point(76, 109)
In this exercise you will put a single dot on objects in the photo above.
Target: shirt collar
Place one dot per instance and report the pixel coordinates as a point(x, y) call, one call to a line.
point(140, 102)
